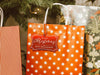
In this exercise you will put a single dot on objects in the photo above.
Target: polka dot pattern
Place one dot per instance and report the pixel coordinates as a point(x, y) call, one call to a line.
point(66, 61)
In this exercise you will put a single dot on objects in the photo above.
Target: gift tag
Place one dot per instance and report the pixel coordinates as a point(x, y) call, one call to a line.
point(46, 43)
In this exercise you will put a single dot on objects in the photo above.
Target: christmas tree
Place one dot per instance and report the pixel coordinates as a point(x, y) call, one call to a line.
point(21, 10)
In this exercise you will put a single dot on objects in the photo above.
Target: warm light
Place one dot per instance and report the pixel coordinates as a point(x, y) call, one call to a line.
point(38, 9)
point(35, 12)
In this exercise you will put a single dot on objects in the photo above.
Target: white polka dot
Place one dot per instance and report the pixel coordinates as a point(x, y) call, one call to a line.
point(34, 30)
point(73, 37)
point(72, 46)
point(62, 73)
point(71, 73)
point(71, 64)
point(29, 34)
point(64, 46)
point(67, 50)
point(46, 53)
point(67, 59)
point(81, 46)
point(32, 57)
point(59, 41)
point(63, 55)
point(28, 52)
point(80, 65)
point(59, 50)
point(58, 59)
point(82, 38)
point(53, 72)
point(81, 56)
point(45, 62)
point(56, 27)
point(78, 33)
point(49, 67)
point(29, 43)
point(80, 73)
point(36, 62)
point(77, 42)
point(77, 51)
point(37, 53)
point(50, 58)
point(74, 28)
point(28, 61)
point(68, 41)
point(41, 57)
point(58, 68)
point(69, 32)
point(54, 54)
point(47, 27)
point(32, 66)
point(67, 68)
point(54, 63)
point(30, 25)
point(44, 71)
point(82, 28)
point(28, 70)
point(42, 31)
point(36, 71)
point(72, 55)
point(64, 37)
point(75, 69)
point(62, 64)
point(60, 32)
point(31, 73)
point(41, 66)
point(64, 27)
point(39, 26)
point(51, 31)
point(76, 60)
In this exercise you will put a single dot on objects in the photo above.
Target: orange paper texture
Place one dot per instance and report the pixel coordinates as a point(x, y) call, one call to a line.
point(66, 61)
point(10, 54)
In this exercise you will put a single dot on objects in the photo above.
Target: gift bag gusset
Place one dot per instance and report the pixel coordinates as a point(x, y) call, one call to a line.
point(66, 60)
point(10, 53)
point(92, 46)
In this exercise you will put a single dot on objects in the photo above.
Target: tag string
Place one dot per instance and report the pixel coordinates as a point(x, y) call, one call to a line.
point(45, 19)
point(1, 13)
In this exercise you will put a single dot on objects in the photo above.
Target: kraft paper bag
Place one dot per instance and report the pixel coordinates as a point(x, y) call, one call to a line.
point(57, 51)
point(10, 53)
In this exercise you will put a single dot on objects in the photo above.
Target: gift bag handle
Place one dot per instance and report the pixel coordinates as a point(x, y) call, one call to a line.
point(1, 13)
point(46, 14)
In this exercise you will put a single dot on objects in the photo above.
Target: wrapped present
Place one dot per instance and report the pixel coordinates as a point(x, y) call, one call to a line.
point(92, 46)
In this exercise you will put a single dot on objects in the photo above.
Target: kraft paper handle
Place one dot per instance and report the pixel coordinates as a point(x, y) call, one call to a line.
point(1, 13)
point(46, 14)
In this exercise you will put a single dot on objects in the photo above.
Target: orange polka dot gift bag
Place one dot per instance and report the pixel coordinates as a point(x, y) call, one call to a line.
point(54, 49)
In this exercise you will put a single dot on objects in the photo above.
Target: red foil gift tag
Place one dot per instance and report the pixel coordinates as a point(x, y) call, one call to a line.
point(46, 43)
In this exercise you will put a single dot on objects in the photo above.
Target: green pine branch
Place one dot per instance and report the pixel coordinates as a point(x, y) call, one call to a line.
point(20, 9)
